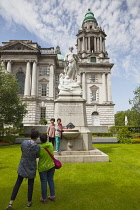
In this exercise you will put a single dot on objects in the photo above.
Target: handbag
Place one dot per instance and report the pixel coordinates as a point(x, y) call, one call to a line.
point(57, 163)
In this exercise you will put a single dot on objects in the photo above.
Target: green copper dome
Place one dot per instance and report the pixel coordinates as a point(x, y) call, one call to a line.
point(89, 16)
point(60, 57)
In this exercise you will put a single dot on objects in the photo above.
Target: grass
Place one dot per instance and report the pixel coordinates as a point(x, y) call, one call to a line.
point(81, 186)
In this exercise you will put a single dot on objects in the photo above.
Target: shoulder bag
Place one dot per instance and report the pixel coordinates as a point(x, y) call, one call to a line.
point(57, 163)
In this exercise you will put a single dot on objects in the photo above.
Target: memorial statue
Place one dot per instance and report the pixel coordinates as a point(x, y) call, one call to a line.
point(68, 80)
point(71, 66)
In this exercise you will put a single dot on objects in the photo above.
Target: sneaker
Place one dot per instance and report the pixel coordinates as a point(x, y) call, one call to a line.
point(43, 201)
point(51, 198)
point(29, 204)
point(9, 207)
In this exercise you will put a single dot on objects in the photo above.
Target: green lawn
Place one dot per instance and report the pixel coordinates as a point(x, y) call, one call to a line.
point(81, 186)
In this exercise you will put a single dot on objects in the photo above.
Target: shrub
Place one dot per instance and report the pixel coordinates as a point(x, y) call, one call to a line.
point(102, 134)
point(135, 141)
point(43, 121)
point(10, 139)
point(115, 129)
point(124, 135)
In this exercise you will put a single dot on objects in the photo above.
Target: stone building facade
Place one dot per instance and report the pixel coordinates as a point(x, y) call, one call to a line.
point(37, 70)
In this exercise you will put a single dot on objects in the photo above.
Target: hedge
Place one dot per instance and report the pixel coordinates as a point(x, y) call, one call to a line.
point(114, 129)
point(135, 141)
point(102, 134)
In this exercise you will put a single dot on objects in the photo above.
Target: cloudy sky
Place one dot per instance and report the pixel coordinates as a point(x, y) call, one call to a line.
point(56, 22)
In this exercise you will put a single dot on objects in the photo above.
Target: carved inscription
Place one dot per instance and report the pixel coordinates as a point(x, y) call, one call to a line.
point(70, 109)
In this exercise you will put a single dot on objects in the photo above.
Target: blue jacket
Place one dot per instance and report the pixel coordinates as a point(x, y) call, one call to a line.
point(27, 166)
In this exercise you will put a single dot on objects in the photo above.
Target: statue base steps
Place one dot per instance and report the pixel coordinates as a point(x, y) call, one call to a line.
point(90, 156)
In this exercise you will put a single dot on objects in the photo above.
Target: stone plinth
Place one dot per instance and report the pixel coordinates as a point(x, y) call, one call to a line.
point(71, 108)
point(90, 156)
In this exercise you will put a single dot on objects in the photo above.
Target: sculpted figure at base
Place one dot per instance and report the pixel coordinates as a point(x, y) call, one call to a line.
point(68, 80)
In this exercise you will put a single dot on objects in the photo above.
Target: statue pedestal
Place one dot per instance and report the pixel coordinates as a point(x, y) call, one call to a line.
point(72, 109)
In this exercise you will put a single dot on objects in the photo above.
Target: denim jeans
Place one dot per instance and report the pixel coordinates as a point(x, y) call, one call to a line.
point(57, 141)
point(47, 176)
point(17, 186)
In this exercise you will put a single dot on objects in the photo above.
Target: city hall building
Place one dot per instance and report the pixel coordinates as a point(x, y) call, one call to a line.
point(37, 70)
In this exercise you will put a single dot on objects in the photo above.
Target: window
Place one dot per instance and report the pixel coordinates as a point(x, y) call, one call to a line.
point(93, 95)
point(44, 70)
point(44, 90)
point(43, 113)
point(93, 78)
point(21, 80)
point(90, 27)
point(95, 119)
point(93, 59)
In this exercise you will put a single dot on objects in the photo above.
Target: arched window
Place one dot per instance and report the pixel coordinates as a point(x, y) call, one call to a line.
point(95, 119)
point(21, 80)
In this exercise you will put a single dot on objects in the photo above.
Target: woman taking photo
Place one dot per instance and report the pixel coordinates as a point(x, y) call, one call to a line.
point(27, 167)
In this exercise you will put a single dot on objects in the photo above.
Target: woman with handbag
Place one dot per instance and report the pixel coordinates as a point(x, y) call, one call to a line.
point(27, 167)
point(46, 168)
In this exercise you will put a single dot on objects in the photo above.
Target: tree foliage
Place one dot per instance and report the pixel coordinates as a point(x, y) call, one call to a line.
point(132, 114)
point(136, 101)
point(12, 110)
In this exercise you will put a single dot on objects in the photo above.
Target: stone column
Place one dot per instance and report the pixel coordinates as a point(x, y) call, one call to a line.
point(27, 89)
point(51, 81)
point(85, 43)
point(109, 87)
point(3, 66)
point(9, 66)
point(98, 44)
point(101, 47)
point(95, 44)
point(84, 85)
point(83, 48)
point(78, 45)
point(103, 87)
point(89, 44)
point(34, 79)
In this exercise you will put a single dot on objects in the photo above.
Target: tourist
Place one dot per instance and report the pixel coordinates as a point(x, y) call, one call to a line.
point(46, 168)
point(27, 167)
point(51, 131)
point(58, 134)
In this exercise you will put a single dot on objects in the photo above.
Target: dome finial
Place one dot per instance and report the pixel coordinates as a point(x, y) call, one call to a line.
point(89, 9)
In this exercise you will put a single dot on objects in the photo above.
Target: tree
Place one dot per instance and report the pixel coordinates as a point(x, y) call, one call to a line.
point(12, 110)
point(136, 100)
point(136, 105)
point(119, 118)
point(132, 114)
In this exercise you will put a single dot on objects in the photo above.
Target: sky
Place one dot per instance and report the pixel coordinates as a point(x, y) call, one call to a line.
point(56, 22)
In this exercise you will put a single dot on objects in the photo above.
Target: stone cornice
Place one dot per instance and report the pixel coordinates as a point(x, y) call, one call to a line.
point(104, 104)
point(110, 65)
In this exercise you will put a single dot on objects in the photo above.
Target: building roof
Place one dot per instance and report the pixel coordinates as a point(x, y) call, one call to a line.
point(89, 16)
point(60, 57)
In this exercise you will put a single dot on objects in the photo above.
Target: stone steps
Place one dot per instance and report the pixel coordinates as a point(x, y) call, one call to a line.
point(90, 156)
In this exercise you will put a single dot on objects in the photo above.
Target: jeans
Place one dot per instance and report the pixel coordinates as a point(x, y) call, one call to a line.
point(47, 176)
point(57, 141)
point(17, 186)
point(52, 140)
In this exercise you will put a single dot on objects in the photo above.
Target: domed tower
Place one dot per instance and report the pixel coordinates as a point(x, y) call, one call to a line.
point(95, 72)
point(91, 39)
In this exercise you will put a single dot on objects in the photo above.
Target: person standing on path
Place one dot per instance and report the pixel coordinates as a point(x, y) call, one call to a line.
point(46, 168)
point(58, 134)
point(51, 131)
point(27, 167)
